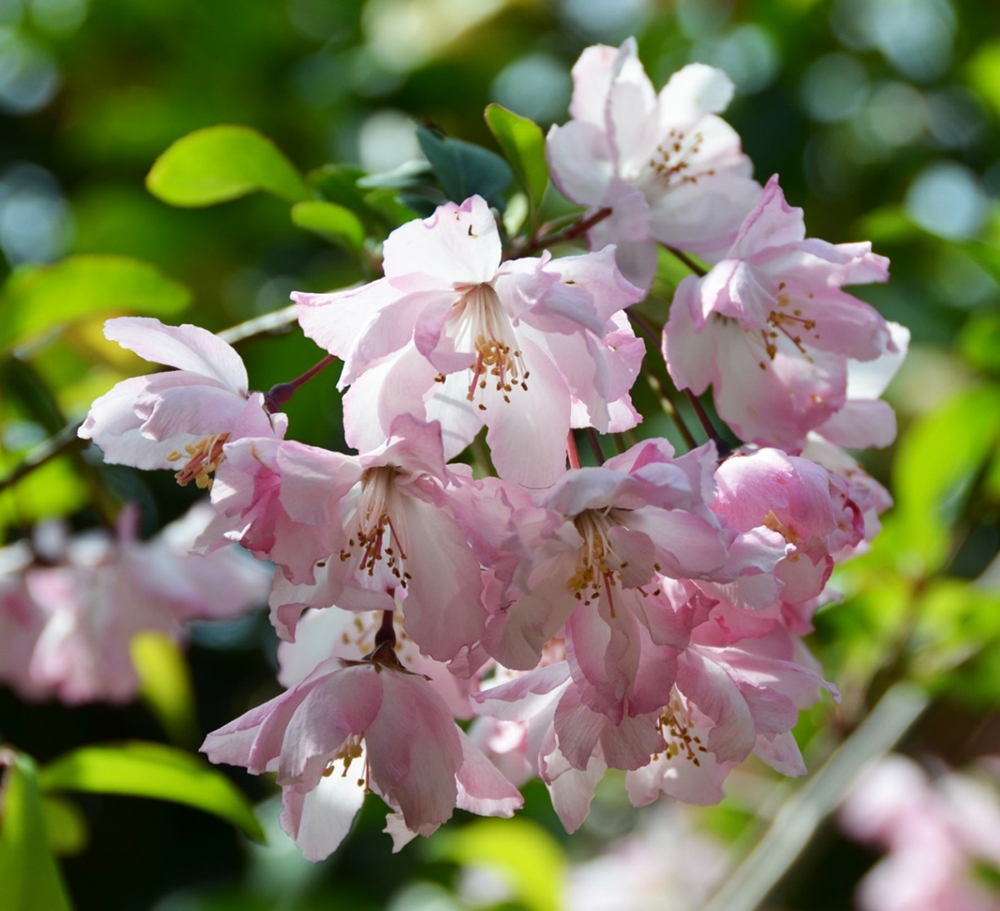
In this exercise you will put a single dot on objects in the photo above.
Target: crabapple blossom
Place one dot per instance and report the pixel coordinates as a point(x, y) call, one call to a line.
point(395, 528)
point(938, 833)
point(21, 621)
point(770, 328)
point(106, 591)
point(527, 347)
point(670, 170)
point(388, 720)
point(182, 417)
point(803, 502)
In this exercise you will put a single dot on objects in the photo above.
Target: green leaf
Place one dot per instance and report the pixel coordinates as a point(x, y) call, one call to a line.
point(37, 300)
point(66, 826)
point(523, 143)
point(332, 222)
point(165, 684)
point(530, 859)
point(938, 462)
point(464, 169)
point(29, 875)
point(220, 163)
point(152, 770)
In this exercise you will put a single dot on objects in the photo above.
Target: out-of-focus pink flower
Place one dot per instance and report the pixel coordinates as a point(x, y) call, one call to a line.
point(527, 347)
point(770, 328)
point(107, 591)
point(665, 865)
point(670, 170)
point(937, 834)
point(183, 418)
point(21, 621)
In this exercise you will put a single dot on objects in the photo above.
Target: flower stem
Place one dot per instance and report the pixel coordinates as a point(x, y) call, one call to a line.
point(720, 444)
point(684, 258)
point(571, 453)
point(595, 444)
point(281, 393)
point(534, 244)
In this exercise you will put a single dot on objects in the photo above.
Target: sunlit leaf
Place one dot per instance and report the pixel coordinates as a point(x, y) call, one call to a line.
point(29, 876)
point(464, 169)
point(152, 770)
point(526, 855)
point(983, 72)
point(36, 300)
point(220, 163)
point(332, 222)
point(165, 684)
point(524, 145)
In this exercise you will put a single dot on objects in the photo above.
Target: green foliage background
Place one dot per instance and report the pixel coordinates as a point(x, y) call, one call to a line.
point(883, 120)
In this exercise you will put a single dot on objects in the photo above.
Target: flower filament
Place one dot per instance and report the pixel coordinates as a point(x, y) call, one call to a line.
point(374, 518)
point(480, 324)
point(203, 459)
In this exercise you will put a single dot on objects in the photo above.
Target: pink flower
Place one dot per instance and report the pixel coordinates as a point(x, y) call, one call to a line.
point(389, 724)
point(937, 833)
point(670, 170)
point(803, 502)
point(21, 622)
point(106, 592)
point(183, 417)
point(770, 328)
point(390, 512)
point(593, 548)
point(453, 334)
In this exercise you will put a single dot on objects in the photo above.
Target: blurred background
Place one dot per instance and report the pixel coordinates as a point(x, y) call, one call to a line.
point(882, 118)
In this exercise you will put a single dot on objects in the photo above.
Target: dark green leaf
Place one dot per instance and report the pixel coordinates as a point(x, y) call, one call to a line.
point(29, 876)
point(152, 770)
point(464, 169)
point(220, 163)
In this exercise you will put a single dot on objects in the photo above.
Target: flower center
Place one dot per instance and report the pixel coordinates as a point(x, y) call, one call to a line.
point(353, 748)
point(674, 163)
point(203, 458)
point(599, 565)
point(676, 728)
point(481, 325)
point(375, 536)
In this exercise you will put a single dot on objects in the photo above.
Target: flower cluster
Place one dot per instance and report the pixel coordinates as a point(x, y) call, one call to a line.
point(646, 613)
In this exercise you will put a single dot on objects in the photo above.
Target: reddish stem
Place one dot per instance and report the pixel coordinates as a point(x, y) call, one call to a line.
point(281, 393)
point(571, 453)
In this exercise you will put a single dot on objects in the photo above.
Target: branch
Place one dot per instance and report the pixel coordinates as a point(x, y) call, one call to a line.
point(44, 452)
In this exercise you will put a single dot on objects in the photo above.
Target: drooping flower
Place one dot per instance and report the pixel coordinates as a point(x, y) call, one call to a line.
point(180, 419)
point(527, 347)
point(670, 170)
point(772, 331)
point(352, 726)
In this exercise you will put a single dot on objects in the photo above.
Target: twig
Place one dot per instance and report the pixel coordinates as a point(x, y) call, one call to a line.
point(684, 258)
point(595, 444)
point(259, 325)
point(562, 236)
